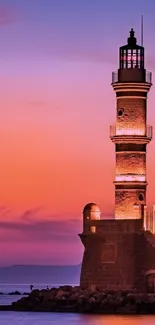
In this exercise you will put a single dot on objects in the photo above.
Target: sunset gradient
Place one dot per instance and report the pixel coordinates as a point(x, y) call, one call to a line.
point(56, 108)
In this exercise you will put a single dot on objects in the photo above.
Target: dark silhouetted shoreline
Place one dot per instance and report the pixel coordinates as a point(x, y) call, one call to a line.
point(77, 300)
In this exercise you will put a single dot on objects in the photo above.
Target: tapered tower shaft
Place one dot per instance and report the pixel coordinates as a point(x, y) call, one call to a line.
point(131, 134)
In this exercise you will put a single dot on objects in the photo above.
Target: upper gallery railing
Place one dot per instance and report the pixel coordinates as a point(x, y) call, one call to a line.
point(148, 77)
point(129, 130)
point(130, 178)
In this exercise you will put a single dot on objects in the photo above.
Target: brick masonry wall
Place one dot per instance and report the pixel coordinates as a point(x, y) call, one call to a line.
point(104, 226)
point(125, 202)
point(114, 275)
point(134, 163)
point(134, 116)
point(145, 261)
point(134, 257)
point(130, 147)
point(134, 112)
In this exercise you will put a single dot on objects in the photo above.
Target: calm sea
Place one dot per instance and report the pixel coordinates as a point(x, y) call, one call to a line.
point(20, 318)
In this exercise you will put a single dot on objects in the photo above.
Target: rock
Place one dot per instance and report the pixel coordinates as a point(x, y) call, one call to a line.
point(92, 300)
point(86, 300)
point(127, 310)
point(35, 292)
point(14, 293)
point(5, 308)
point(76, 289)
point(59, 294)
point(66, 288)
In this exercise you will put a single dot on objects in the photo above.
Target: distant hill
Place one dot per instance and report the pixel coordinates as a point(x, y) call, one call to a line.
point(33, 274)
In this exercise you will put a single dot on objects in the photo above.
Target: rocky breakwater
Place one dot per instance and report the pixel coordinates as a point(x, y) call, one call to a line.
point(75, 299)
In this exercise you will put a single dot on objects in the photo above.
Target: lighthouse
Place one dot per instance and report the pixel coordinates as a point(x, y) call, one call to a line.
point(119, 254)
point(131, 134)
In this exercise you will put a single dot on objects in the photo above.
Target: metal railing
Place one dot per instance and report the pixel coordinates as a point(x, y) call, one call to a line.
point(148, 77)
point(114, 77)
point(130, 178)
point(131, 130)
point(149, 131)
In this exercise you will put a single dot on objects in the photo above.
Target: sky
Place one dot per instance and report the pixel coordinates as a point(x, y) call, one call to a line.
point(56, 108)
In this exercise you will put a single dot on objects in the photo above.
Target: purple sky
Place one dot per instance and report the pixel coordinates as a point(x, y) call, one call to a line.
point(57, 103)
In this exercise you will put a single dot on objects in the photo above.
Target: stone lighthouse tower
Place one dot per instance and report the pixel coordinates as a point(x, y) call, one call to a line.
point(119, 254)
point(131, 133)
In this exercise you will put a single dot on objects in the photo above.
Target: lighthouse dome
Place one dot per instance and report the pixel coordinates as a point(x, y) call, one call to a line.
point(91, 211)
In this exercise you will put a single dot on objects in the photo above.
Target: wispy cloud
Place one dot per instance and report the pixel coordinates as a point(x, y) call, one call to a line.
point(31, 228)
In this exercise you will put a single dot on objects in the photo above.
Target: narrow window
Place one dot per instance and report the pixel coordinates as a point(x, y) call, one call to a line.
point(93, 229)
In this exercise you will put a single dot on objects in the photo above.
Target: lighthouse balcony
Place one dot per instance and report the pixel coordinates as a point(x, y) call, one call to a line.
point(131, 75)
point(130, 178)
point(131, 133)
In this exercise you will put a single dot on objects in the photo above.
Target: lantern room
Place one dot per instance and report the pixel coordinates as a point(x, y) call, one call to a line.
point(131, 63)
point(131, 55)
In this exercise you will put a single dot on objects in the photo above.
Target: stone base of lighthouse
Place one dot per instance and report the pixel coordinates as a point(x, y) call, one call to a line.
point(118, 255)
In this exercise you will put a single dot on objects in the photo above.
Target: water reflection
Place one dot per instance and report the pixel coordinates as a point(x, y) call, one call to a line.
point(119, 320)
point(20, 318)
